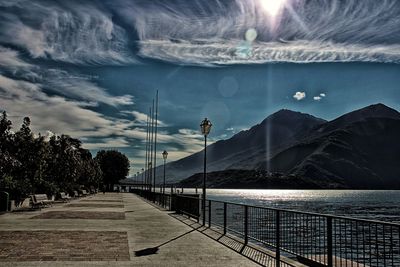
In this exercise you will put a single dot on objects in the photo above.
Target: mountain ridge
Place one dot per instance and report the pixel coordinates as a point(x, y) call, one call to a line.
point(342, 153)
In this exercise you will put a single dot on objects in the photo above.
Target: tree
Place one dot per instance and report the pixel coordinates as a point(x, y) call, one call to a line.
point(7, 162)
point(31, 164)
point(114, 166)
point(26, 152)
point(90, 173)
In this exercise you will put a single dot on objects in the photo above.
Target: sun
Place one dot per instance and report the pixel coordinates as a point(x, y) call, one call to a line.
point(273, 7)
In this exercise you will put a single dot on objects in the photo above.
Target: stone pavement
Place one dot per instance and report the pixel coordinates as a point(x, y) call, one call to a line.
point(113, 229)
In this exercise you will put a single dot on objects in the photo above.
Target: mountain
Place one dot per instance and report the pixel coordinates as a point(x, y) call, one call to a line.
point(274, 133)
point(357, 150)
point(372, 111)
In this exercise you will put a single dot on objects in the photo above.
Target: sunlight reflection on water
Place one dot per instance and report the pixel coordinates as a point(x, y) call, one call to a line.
point(368, 204)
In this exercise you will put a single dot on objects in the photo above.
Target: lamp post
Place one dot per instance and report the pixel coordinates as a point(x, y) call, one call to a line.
point(205, 127)
point(164, 155)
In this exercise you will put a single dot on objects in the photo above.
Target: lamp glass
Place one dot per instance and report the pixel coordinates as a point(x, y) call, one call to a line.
point(165, 154)
point(205, 126)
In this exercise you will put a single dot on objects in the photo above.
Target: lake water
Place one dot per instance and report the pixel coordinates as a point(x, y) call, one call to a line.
point(367, 204)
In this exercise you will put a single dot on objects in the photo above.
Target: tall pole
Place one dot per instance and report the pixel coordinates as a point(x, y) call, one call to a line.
point(147, 152)
point(164, 178)
point(155, 143)
point(203, 204)
point(151, 146)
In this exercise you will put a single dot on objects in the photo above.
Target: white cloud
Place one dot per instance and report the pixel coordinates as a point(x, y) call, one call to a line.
point(55, 113)
point(81, 88)
point(316, 40)
point(77, 87)
point(80, 34)
point(141, 118)
point(9, 59)
point(319, 97)
point(299, 95)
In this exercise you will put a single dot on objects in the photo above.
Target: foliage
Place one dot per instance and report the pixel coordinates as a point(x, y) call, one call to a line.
point(114, 166)
point(34, 164)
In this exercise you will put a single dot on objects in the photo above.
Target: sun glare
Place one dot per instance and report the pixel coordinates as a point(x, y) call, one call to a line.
point(273, 7)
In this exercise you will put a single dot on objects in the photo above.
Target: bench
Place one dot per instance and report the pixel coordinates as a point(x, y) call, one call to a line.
point(34, 203)
point(41, 200)
point(64, 197)
point(24, 205)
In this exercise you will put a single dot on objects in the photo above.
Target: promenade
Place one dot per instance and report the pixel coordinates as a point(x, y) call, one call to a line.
point(113, 229)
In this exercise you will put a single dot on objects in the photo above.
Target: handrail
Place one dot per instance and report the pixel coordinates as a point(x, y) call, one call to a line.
point(301, 212)
point(313, 237)
point(310, 213)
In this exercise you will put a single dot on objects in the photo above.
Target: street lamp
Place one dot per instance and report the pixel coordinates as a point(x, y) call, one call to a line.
point(164, 155)
point(205, 127)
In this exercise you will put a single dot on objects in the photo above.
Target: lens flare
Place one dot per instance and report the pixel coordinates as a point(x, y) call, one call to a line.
point(273, 7)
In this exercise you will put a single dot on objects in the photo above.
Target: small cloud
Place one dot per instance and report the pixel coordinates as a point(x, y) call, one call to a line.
point(299, 96)
point(319, 97)
point(230, 129)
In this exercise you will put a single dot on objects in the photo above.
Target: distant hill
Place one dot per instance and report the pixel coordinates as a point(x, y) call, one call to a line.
point(249, 179)
point(274, 133)
point(357, 150)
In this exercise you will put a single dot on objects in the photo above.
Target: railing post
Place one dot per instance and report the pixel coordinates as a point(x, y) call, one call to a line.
point(177, 204)
point(209, 213)
point(329, 239)
point(278, 239)
point(224, 218)
point(198, 204)
point(246, 224)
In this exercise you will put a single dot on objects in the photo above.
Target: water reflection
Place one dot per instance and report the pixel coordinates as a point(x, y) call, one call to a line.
point(367, 204)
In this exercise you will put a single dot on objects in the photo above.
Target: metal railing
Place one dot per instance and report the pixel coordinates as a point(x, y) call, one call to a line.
point(313, 239)
point(163, 200)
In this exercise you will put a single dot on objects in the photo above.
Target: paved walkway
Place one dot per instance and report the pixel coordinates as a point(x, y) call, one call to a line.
point(114, 229)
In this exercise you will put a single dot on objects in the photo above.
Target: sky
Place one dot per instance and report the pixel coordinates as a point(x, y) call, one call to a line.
point(91, 68)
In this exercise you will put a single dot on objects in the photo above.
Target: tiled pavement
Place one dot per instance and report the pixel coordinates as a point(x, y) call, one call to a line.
point(107, 230)
point(63, 246)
